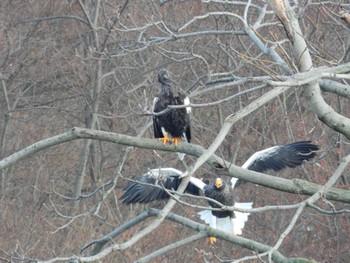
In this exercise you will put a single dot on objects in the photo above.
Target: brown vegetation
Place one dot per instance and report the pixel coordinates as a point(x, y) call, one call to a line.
point(93, 64)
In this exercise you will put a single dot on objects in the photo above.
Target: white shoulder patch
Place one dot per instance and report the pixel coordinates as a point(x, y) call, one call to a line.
point(258, 155)
point(197, 182)
point(233, 182)
point(187, 102)
point(240, 217)
point(164, 172)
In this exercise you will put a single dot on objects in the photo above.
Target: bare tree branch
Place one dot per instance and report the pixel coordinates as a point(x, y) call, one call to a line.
point(241, 241)
point(172, 246)
point(296, 186)
point(323, 111)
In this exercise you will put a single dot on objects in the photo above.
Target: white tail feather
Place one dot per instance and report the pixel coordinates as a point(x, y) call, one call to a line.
point(227, 224)
point(206, 216)
point(240, 218)
point(223, 224)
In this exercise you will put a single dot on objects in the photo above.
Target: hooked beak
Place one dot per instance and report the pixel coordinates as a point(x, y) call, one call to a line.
point(218, 183)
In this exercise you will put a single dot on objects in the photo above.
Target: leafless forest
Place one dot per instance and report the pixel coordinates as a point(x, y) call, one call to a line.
point(258, 73)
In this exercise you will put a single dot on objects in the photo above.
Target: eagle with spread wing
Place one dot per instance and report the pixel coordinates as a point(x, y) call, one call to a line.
point(276, 158)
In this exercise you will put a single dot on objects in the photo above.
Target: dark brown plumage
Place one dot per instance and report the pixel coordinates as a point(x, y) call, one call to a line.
point(174, 124)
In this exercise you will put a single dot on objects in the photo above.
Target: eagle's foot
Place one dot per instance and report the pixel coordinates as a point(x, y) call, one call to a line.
point(212, 240)
point(165, 139)
point(176, 140)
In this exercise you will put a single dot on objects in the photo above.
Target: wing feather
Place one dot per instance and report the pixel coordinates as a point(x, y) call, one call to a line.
point(157, 129)
point(143, 189)
point(282, 156)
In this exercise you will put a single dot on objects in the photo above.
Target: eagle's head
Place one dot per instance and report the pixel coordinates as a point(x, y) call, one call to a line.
point(163, 76)
point(219, 184)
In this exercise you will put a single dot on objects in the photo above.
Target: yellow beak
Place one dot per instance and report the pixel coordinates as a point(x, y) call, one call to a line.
point(218, 183)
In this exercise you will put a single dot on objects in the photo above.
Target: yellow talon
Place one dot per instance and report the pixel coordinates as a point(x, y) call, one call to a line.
point(212, 240)
point(165, 139)
point(176, 140)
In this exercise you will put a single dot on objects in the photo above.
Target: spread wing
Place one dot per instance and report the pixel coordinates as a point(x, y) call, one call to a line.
point(143, 189)
point(282, 156)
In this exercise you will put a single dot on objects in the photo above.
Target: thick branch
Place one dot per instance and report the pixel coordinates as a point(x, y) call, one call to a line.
point(323, 111)
point(335, 87)
point(201, 228)
point(252, 245)
point(296, 186)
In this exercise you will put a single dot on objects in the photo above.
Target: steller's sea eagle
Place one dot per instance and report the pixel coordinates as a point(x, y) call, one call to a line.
point(225, 220)
point(142, 191)
point(275, 158)
point(174, 124)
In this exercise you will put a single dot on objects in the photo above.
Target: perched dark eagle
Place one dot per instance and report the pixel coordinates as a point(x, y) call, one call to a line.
point(173, 125)
point(275, 158)
point(141, 191)
point(279, 157)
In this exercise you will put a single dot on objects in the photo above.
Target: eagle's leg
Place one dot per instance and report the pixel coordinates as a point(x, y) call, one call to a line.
point(165, 139)
point(176, 140)
point(212, 240)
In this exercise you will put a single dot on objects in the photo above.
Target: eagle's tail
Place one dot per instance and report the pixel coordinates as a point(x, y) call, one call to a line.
point(240, 218)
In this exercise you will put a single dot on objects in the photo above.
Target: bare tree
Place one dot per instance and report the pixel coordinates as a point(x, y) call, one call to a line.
point(257, 73)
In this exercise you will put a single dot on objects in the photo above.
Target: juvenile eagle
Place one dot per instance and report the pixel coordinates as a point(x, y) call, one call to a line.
point(174, 124)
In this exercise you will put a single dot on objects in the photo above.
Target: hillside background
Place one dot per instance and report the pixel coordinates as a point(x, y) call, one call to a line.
point(94, 64)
